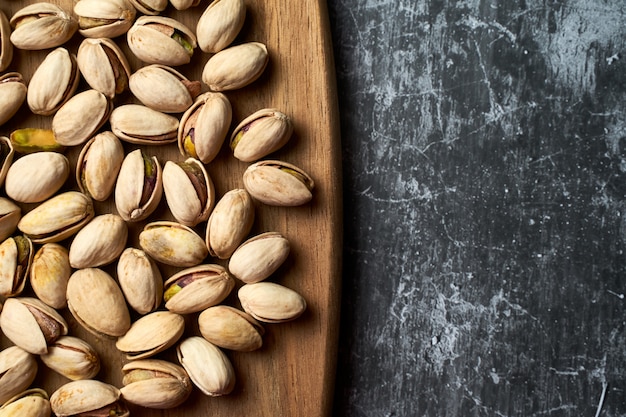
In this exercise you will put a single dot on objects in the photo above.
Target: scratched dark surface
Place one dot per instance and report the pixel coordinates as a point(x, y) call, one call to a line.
point(484, 160)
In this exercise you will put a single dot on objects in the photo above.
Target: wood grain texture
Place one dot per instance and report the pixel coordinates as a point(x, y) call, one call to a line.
point(293, 373)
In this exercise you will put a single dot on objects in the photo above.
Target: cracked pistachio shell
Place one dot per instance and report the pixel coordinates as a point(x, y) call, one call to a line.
point(229, 223)
point(164, 89)
point(42, 25)
point(184, 4)
point(30, 403)
point(49, 274)
point(99, 243)
point(140, 280)
point(142, 125)
point(98, 164)
point(10, 214)
point(270, 302)
point(161, 40)
point(208, 367)
point(31, 324)
point(259, 257)
point(139, 186)
point(73, 358)
point(6, 157)
point(260, 134)
point(204, 126)
point(18, 369)
point(151, 334)
point(173, 244)
point(94, 108)
point(16, 257)
point(278, 183)
point(104, 66)
point(196, 288)
point(150, 7)
point(155, 383)
point(219, 24)
point(57, 218)
point(189, 191)
point(35, 177)
point(235, 67)
point(6, 47)
point(53, 83)
point(97, 303)
point(104, 18)
point(230, 328)
point(13, 92)
point(88, 396)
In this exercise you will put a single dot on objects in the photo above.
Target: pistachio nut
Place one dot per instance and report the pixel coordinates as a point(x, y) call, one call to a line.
point(36, 177)
point(29, 140)
point(203, 127)
point(164, 89)
point(88, 397)
point(73, 358)
point(53, 83)
point(42, 25)
point(151, 334)
point(104, 18)
point(97, 303)
point(98, 164)
point(219, 24)
point(173, 244)
point(258, 257)
point(208, 367)
point(270, 302)
point(189, 191)
point(6, 157)
point(140, 280)
point(49, 274)
point(230, 328)
point(13, 92)
point(235, 67)
point(10, 214)
point(161, 40)
point(16, 256)
point(150, 7)
point(142, 125)
point(229, 223)
point(99, 243)
point(31, 324)
point(139, 186)
point(184, 4)
point(18, 369)
point(6, 47)
point(155, 383)
point(258, 135)
point(103, 65)
point(30, 403)
point(278, 183)
point(57, 218)
point(95, 109)
point(197, 288)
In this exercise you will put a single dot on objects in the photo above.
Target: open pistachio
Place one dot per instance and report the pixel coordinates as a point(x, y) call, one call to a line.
point(139, 186)
point(196, 288)
point(161, 40)
point(103, 65)
point(31, 324)
point(258, 257)
point(99, 243)
point(12, 95)
point(258, 135)
point(230, 328)
point(36, 177)
point(98, 164)
point(53, 83)
point(219, 24)
point(203, 127)
point(95, 109)
point(278, 183)
point(189, 191)
point(49, 274)
point(151, 334)
point(208, 367)
point(270, 302)
point(18, 369)
point(150, 7)
point(229, 223)
point(42, 25)
point(155, 383)
point(31, 403)
point(16, 257)
point(140, 280)
point(164, 89)
point(29, 140)
point(73, 358)
point(184, 4)
point(142, 125)
point(6, 47)
point(10, 214)
point(235, 67)
point(173, 244)
point(104, 18)
point(88, 397)
point(6, 157)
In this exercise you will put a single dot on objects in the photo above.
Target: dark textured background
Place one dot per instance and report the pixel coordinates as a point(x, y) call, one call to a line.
point(484, 161)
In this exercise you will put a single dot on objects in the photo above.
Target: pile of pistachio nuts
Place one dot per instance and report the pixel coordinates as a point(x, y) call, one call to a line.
point(58, 251)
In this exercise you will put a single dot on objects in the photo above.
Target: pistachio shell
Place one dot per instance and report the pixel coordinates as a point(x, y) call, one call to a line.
point(150, 7)
point(98, 164)
point(49, 274)
point(6, 47)
point(87, 395)
point(163, 88)
point(29, 140)
point(99, 243)
point(197, 288)
point(258, 257)
point(270, 302)
point(16, 256)
point(10, 214)
point(6, 157)
point(155, 383)
point(219, 24)
point(173, 244)
point(189, 191)
point(142, 125)
point(258, 135)
point(41, 26)
point(235, 67)
point(95, 109)
point(104, 66)
point(73, 358)
point(184, 4)
point(104, 18)
point(208, 367)
point(12, 94)
point(30, 403)
point(151, 334)
point(18, 369)
point(36, 177)
point(140, 280)
point(229, 328)
point(54, 82)
point(161, 40)
point(229, 223)
point(278, 183)
point(139, 186)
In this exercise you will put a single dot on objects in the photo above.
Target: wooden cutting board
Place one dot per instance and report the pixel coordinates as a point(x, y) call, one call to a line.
point(293, 373)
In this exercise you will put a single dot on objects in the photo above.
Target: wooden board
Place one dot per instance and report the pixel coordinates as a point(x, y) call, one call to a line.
point(293, 373)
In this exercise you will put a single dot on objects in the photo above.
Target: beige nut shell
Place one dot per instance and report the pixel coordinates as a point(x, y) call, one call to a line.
point(36, 177)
